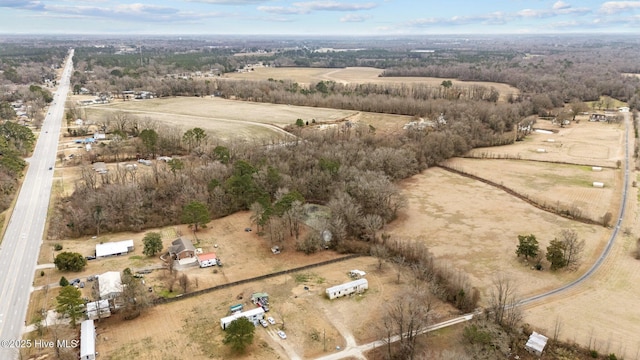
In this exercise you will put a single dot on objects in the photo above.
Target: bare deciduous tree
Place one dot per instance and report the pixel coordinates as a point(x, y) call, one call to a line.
point(503, 302)
point(573, 248)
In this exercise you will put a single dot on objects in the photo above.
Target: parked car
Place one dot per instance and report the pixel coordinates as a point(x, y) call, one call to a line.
point(82, 285)
point(75, 282)
point(263, 323)
point(282, 334)
point(271, 320)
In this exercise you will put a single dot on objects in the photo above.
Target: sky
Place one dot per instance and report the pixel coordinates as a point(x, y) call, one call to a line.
point(318, 17)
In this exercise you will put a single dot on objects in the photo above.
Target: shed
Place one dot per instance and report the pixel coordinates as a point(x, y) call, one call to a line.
point(356, 274)
point(596, 168)
point(356, 286)
point(598, 184)
point(87, 340)
point(114, 248)
point(253, 315)
point(536, 343)
point(110, 285)
point(206, 260)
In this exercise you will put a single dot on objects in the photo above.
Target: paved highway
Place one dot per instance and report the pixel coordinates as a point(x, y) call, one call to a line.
point(21, 243)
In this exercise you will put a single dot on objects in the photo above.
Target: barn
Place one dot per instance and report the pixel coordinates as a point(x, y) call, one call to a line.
point(352, 287)
point(253, 315)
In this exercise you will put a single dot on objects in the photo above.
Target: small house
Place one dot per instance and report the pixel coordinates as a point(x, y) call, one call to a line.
point(87, 340)
point(206, 260)
point(181, 249)
point(536, 343)
point(253, 315)
point(352, 287)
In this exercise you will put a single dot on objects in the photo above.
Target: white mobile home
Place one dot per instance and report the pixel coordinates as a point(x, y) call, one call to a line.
point(253, 315)
point(87, 340)
point(356, 286)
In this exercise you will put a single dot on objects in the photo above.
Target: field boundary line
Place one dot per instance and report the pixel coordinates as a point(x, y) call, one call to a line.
point(507, 157)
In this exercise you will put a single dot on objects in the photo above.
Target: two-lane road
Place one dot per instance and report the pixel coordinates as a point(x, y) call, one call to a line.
point(21, 243)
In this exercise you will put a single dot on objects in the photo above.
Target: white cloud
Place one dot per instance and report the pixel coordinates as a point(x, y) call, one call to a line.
point(613, 7)
point(311, 6)
point(354, 18)
point(561, 5)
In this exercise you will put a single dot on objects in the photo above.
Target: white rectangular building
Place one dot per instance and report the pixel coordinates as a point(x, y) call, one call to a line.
point(352, 287)
point(253, 315)
point(87, 340)
point(536, 343)
point(114, 248)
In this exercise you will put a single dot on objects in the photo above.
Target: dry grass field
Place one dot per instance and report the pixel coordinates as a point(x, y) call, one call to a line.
point(562, 176)
point(585, 143)
point(224, 119)
point(356, 75)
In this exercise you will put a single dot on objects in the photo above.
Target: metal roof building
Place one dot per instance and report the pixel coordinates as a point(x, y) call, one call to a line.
point(87, 340)
point(114, 248)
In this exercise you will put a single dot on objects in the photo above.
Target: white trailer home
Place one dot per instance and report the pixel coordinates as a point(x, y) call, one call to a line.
point(87, 340)
point(352, 287)
point(253, 315)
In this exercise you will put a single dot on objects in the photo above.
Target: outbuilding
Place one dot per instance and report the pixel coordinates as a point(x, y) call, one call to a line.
point(114, 248)
point(536, 343)
point(87, 340)
point(206, 260)
point(352, 287)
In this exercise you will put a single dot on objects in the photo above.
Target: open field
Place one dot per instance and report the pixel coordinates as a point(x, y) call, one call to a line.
point(357, 75)
point(553, 185)
point(224, 119)
point(586, 143)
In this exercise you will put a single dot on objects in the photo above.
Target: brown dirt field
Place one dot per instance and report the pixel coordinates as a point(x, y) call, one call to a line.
point(356, 75)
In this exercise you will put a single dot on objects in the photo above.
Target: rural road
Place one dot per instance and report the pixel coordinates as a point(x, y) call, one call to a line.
point(21, 243)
